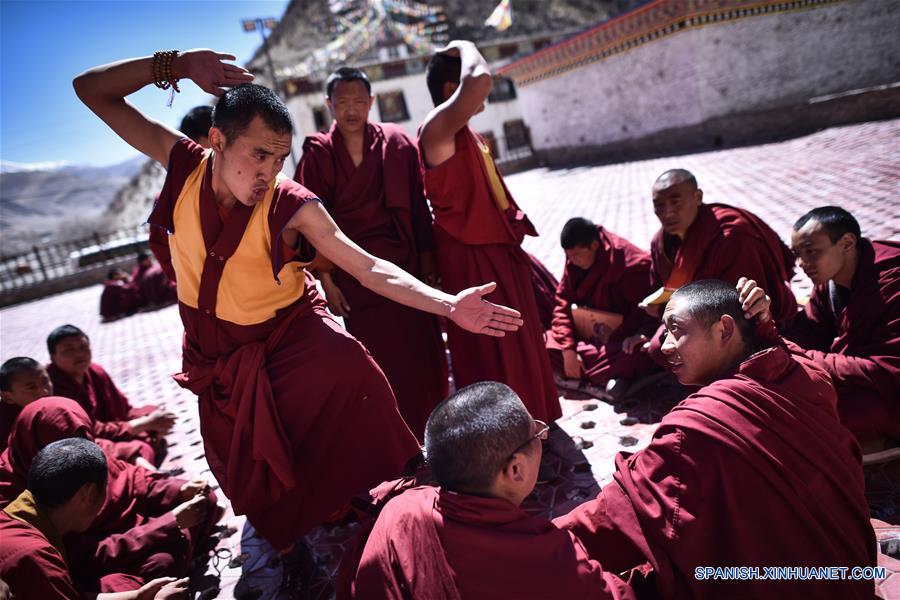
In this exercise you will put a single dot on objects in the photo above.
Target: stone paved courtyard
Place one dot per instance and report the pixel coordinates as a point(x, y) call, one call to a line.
point(857, 167)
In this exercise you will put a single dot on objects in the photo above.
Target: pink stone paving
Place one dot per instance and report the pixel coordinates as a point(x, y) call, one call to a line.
point(857, 167)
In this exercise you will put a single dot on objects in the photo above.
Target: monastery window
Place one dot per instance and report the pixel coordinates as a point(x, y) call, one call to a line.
point(504, 90)
point(392, 107)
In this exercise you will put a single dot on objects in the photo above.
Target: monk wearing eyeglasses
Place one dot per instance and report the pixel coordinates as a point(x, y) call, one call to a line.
point(468, 537)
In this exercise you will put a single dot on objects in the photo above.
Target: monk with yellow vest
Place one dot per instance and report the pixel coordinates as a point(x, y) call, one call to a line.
point(295, 415)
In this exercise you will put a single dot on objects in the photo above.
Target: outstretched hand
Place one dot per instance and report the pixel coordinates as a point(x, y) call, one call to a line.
point(473, 313)
point(754, 301)
point(210, 72)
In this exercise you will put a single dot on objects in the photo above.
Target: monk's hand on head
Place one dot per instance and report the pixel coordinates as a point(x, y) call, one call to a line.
point(452, 49)
point(193, 488)
point(472, 312)
point(191, 513)
point(209, 70)
point(754, 300)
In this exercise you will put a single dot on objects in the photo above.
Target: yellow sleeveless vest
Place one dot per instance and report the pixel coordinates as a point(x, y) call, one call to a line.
point(247, 294)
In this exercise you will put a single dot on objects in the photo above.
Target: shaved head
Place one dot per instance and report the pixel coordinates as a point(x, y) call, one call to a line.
point(707, 300)
point(674, 177)
point(470, 436)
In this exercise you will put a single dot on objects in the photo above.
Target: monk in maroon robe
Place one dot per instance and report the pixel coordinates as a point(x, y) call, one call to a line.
point(603, 272)
point(479, 231)
point(752, 470)
point(65, 491)
point(120, 298)
point(851, 324)
point(468, 538)
point(22, 381)
point(713, 241)
point(295, 415)
point(149, 524)
point(138, 430)
point(367, 175)
point(154, 286)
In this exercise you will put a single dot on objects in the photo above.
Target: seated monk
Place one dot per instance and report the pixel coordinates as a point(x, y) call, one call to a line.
point(119, 298)
point(23, 380)
point(66, 489)
point(76, 376)
point(468, 538)
point(712, 241)
point(149, 526)
point(605, 273)
point(155, 287)
point(752, 470)
point(851, 324)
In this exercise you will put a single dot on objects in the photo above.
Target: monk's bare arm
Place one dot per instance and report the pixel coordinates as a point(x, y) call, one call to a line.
point(442, 123)
point(467, 309)
point(103, 89)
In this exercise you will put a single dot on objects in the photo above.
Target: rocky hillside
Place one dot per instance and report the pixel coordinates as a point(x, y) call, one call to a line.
point(47, 203)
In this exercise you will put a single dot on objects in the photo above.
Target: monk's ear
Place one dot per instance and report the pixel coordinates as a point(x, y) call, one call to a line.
point(329, 105)
point(726, 328)
point(6, 397)
point(847, 242)
point(698, 194)
point(514, 469)
point(217, 139)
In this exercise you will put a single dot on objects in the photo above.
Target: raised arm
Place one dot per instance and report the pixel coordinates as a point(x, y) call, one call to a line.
point(442, 123)
point(467, 309)
point(103, 89)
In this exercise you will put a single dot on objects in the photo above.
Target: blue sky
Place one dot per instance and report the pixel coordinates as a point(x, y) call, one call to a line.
point(44, 44)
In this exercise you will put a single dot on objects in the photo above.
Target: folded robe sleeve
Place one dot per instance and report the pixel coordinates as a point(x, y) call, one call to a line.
point(562, 324)
point(41, 575)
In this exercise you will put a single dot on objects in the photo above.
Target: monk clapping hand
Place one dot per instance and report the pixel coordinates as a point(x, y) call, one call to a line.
point(473, 313)
point(164, 588)
point(159, 421)
point(191, 513)
point(193, 488)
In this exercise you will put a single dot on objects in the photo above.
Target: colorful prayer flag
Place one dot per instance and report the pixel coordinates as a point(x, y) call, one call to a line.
point(501, 18)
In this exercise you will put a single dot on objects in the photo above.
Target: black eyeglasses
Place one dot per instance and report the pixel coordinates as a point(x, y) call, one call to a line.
point(542, 434)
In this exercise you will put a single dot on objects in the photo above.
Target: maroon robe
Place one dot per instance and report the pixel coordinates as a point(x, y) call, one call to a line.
point(380, 205)
point(119, 299)
point(544, 284)
point(135, 531)
point(429, 543)
point(30, 563)
point(859, 344)
point(154, 285)
point(617, 281)
point(725, 243)
point(477, 243)
point(8, 414)
point(33, 561)
point(109, 409)
point(295, 415)
point(752, 470)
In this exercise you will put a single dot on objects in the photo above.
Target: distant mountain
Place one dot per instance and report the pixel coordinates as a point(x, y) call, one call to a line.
point(46, 202)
